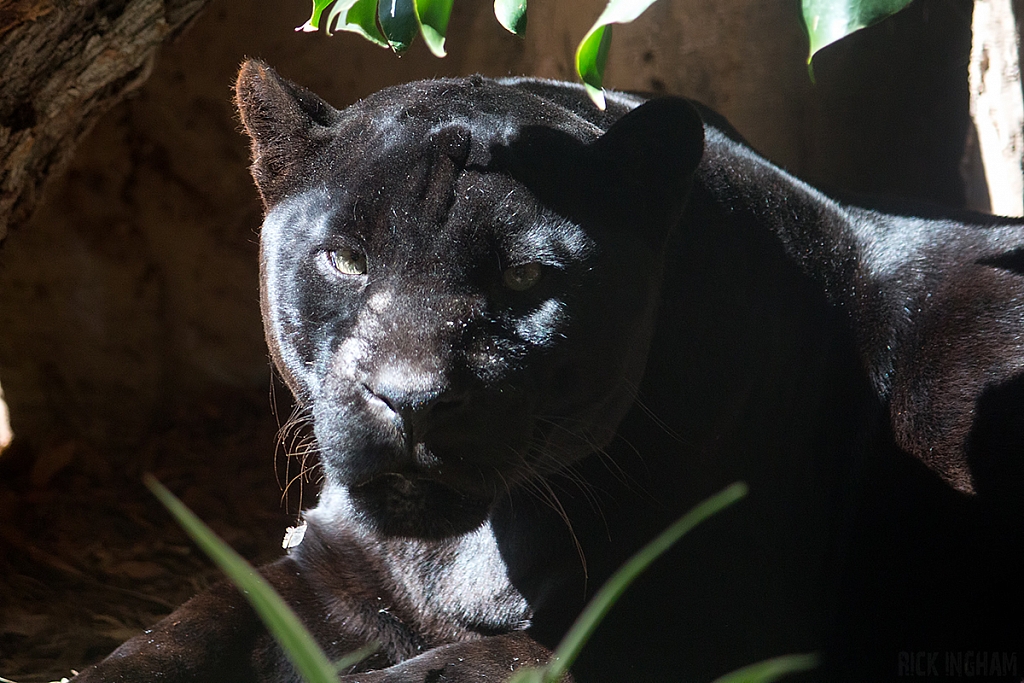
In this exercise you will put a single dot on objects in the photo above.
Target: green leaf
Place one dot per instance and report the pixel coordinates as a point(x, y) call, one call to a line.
point(398, 23)
point(432, 17)
point(356, 16)
point(512, 15)
point(299, 646)
point(598, 607)
point(829, 20)
point(592, 52)
point(591, 56)
point(771, 669)
point(313, 23)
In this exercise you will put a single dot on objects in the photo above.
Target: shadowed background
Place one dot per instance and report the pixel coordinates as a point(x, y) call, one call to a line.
point(130, 337)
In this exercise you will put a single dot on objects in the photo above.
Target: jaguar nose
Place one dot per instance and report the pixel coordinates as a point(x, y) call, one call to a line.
point(406, 402)
point(416, 400)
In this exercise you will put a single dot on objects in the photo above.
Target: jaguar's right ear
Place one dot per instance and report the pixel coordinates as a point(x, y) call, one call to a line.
point(636, 176)
point(646, 161)
point(284, 122)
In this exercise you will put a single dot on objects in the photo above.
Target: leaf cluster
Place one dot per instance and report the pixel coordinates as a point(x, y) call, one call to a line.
point(395, 23)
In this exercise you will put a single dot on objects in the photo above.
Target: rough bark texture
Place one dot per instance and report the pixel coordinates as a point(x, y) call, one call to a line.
point(62, 64)
point(996, 104)
point(5, 423)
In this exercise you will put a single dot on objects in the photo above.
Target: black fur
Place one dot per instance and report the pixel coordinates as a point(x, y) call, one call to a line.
point(552, 354)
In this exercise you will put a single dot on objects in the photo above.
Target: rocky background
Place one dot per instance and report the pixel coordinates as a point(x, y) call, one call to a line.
point(130, 337)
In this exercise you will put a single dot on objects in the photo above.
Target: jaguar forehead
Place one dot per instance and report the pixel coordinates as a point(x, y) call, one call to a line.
point(444, 164)
point(411, 172)
point(492, 112)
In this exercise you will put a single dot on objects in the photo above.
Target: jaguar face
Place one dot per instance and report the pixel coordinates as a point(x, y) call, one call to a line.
point(449, 289)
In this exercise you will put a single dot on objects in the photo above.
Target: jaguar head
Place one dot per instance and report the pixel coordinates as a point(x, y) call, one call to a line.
point(459, 281)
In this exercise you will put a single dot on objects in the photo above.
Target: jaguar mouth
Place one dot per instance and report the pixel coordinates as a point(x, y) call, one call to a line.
point(418, 507)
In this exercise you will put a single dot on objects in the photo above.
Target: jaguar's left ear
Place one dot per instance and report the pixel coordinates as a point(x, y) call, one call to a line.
point(286, 124)
point(648, 158)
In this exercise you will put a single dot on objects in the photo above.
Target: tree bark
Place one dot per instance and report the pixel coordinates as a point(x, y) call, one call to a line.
point(62, 64)
point(5, 424)
point(997, 107)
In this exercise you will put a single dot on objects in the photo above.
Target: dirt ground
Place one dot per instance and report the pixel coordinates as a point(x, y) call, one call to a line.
point(88, 557)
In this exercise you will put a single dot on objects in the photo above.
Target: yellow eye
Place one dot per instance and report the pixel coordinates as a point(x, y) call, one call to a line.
point(348, 261)
point(521, 278)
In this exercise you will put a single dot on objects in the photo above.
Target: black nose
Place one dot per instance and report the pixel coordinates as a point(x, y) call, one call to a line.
point(418, 400)
point(406, 401)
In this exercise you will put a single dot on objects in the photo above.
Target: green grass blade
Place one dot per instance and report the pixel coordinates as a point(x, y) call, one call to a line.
point(530, 675)
point(398, 23)
point(354, 657)
point(357, 16)
point(592, 53)
point(613, 588)
point(512, 15)
point(299, 646)
point(829, 20)
point(771, 669)
point(432, 17)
